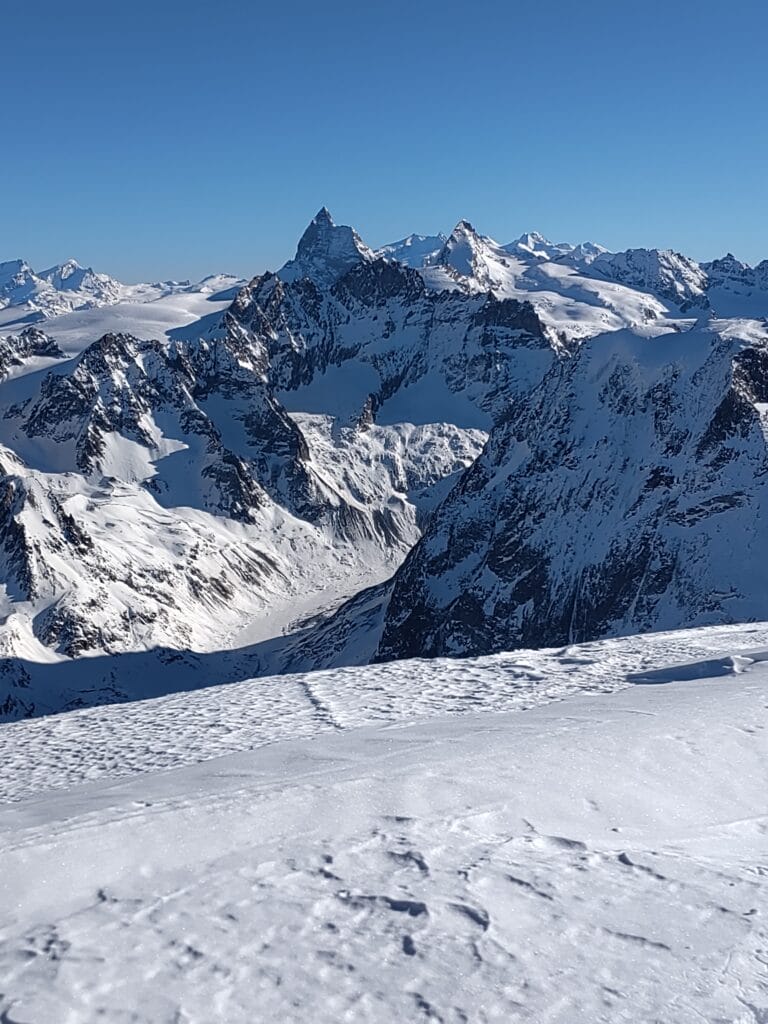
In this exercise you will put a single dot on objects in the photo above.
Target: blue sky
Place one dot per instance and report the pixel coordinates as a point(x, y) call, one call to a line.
point(171, 139)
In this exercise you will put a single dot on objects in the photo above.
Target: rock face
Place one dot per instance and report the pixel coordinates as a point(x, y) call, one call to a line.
point(468, 355)
point(326, 251)
point(664, 273)
point(626, 493)
point(17, 349)
point(246, 472)
point(158, 493)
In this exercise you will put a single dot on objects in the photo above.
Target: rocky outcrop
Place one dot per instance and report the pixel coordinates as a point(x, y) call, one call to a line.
point(626, 493)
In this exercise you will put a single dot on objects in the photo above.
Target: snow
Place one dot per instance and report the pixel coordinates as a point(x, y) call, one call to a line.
point(147, 311)
point(414, 251)
point(568, 299)
point(325, 251)
point(147, 318)
point(600, 857)
point(430, 400)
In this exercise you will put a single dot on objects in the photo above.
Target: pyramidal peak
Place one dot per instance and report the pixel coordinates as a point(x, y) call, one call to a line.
point(463, 247)
point(323, 216)
point(326, 251)
point(464, 229)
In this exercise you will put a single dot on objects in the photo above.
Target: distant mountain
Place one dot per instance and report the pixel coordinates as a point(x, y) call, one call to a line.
point(666, 274)
point(378, 345)
point(326, 251)
point(735, 288)
point(533, 244)
point(414, 251)
point(60, 289)
point(28, 296)
point(561, 442)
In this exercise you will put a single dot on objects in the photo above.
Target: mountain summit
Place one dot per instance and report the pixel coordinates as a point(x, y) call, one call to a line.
point(60, 289)
point(326, 251)
point(448, 445)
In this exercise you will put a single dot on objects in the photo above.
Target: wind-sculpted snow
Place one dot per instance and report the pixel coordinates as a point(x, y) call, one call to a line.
point(187, 728)
point(601, 858)
point(627, 493)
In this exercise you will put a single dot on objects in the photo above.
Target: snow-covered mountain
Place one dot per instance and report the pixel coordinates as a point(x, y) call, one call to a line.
point(18, 350)
point(72, 295)
point(209, 466)
point(130, 472)
point(533, 244)
point(59, 289)
point(627, 492)
point(570, 300)
point(669, 275)
point(444, 446)
point(736, 289)
point(379, 345)
point(414, 251)
point(326, 251)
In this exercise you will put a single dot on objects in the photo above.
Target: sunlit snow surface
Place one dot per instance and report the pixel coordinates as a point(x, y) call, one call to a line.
point(402, 843)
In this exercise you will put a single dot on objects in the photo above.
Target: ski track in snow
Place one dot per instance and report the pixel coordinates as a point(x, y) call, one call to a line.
point(601, 859)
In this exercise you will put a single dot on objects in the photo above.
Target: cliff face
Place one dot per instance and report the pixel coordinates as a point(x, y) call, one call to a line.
point(626, 493)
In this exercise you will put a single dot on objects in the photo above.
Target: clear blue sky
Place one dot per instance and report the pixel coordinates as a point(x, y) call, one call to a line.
point(157, 139)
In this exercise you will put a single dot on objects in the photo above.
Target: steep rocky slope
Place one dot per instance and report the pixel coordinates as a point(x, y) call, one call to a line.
point(627, 493)
point(202, 468)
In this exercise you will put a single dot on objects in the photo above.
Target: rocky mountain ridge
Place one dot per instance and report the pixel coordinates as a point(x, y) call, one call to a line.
point(223, 481)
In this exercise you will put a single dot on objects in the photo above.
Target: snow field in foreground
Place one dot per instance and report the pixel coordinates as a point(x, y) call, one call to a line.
point(600, 858)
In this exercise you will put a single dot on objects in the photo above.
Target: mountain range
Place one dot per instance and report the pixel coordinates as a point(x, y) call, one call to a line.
point(444, 446)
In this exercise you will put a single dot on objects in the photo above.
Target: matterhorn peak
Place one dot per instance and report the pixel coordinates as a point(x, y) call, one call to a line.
point(326, 251)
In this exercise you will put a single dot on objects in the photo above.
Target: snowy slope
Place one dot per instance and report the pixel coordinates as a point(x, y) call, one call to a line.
point(735, 289)
point(77, 306)
point(534, 244)
point(414, 250)
point(626, 493)
point(156, 493)
point(432, 868)
point(378, 345)
point(570, 300)
point(670, 275)
point(59, 289)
